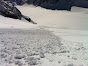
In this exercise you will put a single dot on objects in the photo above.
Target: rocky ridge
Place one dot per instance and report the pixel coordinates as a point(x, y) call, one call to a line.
point(54, 4)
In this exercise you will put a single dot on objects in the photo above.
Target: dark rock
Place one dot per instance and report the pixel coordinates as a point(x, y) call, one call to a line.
point(19, 56)
point(8, 9)
point(54, 4)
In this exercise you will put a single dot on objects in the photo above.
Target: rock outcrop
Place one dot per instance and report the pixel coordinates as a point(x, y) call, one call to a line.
point(8, 9)
point(81, 3)
point(48, 4)
point(54, 4)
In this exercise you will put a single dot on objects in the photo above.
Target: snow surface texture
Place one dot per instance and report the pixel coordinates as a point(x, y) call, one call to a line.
point(59, 38)
point(18, 45)
point(39, 47)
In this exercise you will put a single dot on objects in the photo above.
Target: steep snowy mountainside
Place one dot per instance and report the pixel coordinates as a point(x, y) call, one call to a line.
point(81, 3)
point(54, 4)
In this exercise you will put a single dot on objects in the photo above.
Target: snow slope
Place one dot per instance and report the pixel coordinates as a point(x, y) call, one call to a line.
point(14, 23)
point(75, 22)
point(70, 26)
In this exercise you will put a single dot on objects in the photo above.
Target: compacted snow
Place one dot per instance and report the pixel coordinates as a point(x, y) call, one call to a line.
point(58, 39)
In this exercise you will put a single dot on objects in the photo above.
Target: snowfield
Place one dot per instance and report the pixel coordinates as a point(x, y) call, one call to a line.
point(58, 39)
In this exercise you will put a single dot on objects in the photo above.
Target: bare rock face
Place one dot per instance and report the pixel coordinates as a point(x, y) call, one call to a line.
point(81, 3)
point(58, 4)
point(54, 4)
point(7, 9)
point(48, 4)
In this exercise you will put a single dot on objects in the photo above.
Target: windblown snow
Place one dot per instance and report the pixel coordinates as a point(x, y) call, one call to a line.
point(58, 39)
